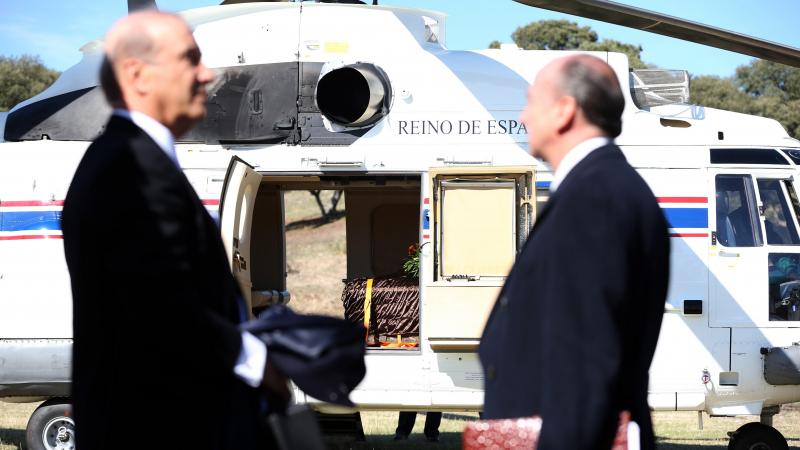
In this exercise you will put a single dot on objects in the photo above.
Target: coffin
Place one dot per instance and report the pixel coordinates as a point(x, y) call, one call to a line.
point(393, 305)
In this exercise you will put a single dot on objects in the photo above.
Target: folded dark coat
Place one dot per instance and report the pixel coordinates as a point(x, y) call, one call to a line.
point(324, 356)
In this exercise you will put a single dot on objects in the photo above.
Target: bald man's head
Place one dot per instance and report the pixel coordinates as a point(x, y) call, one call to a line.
point(134, 36)
point(152, 65)
point(572, 99)
point(594, 86)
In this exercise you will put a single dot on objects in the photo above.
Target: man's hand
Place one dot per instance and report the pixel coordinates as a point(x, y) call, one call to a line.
point(276, 388)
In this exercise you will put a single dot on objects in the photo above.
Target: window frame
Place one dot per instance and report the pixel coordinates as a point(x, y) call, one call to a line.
point(751, 197)
point(790, 210)
point(523, 209)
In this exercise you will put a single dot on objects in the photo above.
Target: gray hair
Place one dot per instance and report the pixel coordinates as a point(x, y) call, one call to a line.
point(596, 91)
point(136, 42)
point(109, 84)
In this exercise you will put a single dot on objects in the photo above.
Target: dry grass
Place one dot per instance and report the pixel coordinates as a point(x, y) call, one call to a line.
point(675, 430)
point(316, 256)
point(679, 430)
point(13, 419)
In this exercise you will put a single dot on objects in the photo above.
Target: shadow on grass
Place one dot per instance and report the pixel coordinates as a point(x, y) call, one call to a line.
point(690, 447)
point(691, 444)
point(12, 437)
point(447, 440)
point(315, 222)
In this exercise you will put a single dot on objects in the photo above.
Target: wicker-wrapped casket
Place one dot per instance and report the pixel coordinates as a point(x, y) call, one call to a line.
point(393, 305)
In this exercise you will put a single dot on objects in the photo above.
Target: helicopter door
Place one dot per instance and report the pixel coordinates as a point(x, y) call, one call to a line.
point(480, 218)
point(236, 216)
point(755, 250)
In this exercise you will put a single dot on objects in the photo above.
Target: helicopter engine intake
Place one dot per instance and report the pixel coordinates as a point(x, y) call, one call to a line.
point(354, 95)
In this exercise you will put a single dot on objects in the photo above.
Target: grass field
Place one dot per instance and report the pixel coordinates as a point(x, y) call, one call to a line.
point(675, 430)
point(316, 262)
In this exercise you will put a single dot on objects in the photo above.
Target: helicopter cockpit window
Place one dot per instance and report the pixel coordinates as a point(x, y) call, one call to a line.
point(784, 286)
point(737, 224)
point(778, 219)
point(793, 154)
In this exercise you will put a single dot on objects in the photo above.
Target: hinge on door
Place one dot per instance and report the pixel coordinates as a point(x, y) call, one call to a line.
point(713, 238)
point(463, 277)
point(239, 261)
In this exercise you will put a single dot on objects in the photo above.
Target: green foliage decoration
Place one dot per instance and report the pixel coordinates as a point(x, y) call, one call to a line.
point(411, 265)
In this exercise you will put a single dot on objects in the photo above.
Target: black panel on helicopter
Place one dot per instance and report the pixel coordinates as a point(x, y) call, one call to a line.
point(250, 104)
point(79, 115)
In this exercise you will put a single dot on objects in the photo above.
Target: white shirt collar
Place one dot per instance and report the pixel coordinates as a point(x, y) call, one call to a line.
point(155, 129)
point(573, 157)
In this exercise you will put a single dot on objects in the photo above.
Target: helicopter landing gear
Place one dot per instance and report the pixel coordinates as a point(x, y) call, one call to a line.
point(757, 436)
point(51, 426)
point(767, 414)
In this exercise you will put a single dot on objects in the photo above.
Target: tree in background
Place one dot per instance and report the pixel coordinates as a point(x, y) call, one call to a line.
point(760, 88)
point(552, 35)
point(765, 78)
point(21, 78)
point(566, 35)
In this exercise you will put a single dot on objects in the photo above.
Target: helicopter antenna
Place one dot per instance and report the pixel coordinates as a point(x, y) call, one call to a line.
point(642, 19)
point(137, 5)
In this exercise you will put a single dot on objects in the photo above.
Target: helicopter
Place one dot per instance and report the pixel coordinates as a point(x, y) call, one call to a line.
point(427, 147)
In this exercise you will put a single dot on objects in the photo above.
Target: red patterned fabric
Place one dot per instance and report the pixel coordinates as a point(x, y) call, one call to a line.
point(522, 433)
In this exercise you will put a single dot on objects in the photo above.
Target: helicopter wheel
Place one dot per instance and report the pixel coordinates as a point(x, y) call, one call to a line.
point(51, 426)
point(757, 436)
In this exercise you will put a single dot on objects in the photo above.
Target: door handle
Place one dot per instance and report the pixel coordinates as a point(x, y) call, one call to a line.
point(725, 254)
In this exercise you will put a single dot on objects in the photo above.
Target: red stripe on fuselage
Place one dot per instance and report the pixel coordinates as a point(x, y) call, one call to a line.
point(21, 203)
point(682, 199)
point(32, 203)
point(31, 236)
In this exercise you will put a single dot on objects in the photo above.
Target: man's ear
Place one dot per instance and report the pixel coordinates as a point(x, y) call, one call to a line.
point(134, 75)
point(566, 112)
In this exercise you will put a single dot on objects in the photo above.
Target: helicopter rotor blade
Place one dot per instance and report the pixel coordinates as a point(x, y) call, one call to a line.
point(645, 20)
point(137, 5)
point(233, 2)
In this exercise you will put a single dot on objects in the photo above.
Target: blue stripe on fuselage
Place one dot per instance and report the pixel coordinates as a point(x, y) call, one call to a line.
point(686, 217)
point(30, 220)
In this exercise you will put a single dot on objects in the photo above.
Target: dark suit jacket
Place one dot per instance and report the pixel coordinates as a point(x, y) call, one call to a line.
point(572, 335)
point(155, 307)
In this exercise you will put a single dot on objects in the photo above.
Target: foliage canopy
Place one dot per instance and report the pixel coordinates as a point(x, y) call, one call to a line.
point(759, 88)
point(22, 78)
point(566, 35)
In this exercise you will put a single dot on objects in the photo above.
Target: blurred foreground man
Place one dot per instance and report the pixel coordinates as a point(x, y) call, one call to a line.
point(573, 332)
point(158, 360)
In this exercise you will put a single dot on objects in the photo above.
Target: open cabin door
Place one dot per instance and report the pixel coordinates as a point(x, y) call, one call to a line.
point(479, 220)
point(236, 217)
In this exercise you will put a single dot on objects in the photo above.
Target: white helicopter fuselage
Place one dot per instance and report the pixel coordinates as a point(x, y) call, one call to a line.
point(449, 116)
